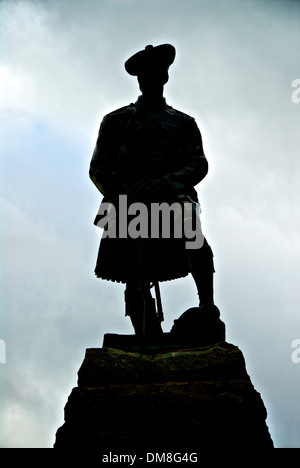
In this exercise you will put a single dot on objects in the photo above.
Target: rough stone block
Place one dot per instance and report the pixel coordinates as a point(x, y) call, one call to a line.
point(181, 399)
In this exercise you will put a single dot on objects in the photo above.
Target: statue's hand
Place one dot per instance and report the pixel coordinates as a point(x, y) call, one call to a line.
point(145, 189)
point(153, 190)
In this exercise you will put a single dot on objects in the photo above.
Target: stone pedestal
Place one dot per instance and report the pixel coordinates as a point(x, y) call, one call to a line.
point(153, 398)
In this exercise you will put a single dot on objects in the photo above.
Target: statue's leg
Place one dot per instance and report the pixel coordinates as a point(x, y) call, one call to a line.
point(202, 269)
point(133, 306)
point(140, 307)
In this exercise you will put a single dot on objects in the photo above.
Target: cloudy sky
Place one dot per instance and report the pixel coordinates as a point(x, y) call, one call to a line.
point(61, 70)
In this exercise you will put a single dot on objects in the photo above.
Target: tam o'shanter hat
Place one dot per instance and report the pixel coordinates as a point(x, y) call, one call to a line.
point(162, 56)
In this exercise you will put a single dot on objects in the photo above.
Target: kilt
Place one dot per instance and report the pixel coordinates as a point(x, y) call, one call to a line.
point(147, 258)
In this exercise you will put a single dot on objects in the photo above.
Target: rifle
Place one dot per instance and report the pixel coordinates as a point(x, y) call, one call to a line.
point(151, 316)
point(160, 314)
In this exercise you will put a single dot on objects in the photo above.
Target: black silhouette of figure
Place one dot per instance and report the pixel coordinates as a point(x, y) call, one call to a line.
point(150, 152)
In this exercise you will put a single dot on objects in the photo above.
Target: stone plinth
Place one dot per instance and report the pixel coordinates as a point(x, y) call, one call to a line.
point(153, 399)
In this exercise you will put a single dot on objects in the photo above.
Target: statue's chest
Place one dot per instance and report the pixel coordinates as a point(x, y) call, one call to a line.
point(152, 132)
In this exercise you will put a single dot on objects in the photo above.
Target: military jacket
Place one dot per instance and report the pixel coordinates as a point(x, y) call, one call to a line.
point(163, 145)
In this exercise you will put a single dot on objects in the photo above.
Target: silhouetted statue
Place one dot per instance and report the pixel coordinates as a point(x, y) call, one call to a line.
point(147, 154)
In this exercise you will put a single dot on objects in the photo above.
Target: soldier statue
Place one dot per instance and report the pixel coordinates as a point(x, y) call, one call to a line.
point(151, 153)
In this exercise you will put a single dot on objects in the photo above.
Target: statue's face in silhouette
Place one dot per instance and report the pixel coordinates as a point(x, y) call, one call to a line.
point(152, 80)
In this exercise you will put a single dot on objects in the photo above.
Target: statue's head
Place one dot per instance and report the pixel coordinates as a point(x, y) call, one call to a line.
point(151, 66)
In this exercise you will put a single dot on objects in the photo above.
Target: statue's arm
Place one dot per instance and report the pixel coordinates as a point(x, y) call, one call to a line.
point(103, 163)
point(194, 165)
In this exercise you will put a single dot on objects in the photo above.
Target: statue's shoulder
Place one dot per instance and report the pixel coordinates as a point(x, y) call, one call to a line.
point(122, 111)
point(119, 117)
point(179, 114)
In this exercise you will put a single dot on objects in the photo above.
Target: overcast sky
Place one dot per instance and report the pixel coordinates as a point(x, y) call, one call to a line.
point(61, 71)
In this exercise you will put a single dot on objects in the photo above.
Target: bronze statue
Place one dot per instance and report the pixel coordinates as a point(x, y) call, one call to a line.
point(148, 155)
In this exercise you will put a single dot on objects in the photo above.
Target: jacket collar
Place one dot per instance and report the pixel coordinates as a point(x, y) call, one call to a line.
point(161, 105)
